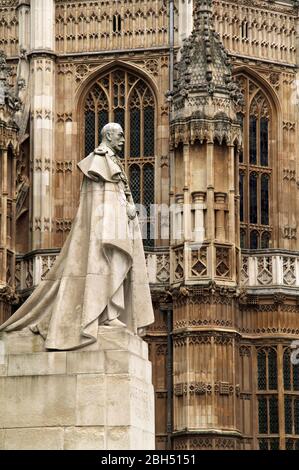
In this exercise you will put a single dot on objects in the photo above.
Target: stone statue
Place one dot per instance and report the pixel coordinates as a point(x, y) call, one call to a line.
point(100, 275)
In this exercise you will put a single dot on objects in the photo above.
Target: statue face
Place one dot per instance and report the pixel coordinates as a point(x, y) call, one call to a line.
point(116, 139)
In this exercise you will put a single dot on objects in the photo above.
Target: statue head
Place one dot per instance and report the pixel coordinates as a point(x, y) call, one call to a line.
point(113, 136)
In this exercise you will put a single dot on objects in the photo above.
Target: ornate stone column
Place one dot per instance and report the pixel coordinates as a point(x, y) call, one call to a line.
point(42, 64)
point(204, 131)
point(24, 24)
point(199, 207)
point(220, 216)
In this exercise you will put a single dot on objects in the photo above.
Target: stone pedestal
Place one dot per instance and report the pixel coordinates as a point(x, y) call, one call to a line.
point(100, 397)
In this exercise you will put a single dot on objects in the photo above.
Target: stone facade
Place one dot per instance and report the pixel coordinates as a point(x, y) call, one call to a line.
point(222, 112)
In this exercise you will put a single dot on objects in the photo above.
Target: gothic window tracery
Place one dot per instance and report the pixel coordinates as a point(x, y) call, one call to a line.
point(255, 165)
point(123, 97)
point(291, 400)
point(277, 399)
point(267, 398)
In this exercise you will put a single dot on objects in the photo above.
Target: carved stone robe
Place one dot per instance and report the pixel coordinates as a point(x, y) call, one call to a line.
point(100, 273)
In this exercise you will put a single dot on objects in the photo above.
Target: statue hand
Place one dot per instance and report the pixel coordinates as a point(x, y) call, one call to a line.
point(131, 211)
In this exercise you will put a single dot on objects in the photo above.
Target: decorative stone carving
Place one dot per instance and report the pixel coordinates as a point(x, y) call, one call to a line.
point(150, 26)
point(265, 274)
point(199, 265)
point(63, 225)
point(244, 351)
point(289, 271)
point(289, 175)
point(290, 233)
point(223, 268)
point(163, 268)
point(179, 264)
point(65, 166)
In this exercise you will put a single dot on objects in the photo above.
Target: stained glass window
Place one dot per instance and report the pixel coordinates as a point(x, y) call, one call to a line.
point(265, 200)
point(243, 238)
point(135, 132)
point(264, 141)
point(252, 140)
point(263, 415)
point(103, 119)
point(289, 444)
point(272, 369)
point(274, 444)
point(255, 161)
point(135, 182)
point(241, 189)
point(253, 198)
point(267, 381)
point(291, 399)
point(89, 131)
point(288, 414)
point(149, 131)
point(119, 117)
point(261, 364)
point(265, 240)
point(263, 444)
point(148, 177)
point(287, 370)
point(123, 97)
point(254, 240)
point(273, 412)
point(296, 377)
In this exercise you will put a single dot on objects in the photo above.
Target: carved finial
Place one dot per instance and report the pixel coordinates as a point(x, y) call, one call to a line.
point(204, 67)
point(202, 11)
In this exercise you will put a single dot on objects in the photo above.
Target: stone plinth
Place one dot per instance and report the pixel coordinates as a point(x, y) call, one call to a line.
point(99, 397)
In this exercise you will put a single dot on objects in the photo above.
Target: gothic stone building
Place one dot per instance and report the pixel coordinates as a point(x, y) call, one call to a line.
point(207, 92)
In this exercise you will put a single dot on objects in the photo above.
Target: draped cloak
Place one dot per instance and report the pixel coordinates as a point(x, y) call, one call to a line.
point(100, 273)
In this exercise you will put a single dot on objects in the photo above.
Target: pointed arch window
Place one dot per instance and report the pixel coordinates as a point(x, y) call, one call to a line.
point(123, 97)
point(267, 398)
point(255, 166)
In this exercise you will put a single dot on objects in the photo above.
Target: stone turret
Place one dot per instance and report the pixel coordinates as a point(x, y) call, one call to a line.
point(205, 252)
point(203, 87)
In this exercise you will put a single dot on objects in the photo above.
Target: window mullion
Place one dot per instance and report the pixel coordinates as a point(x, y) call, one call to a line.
point(246, 161)
point(96, 127)
point(259, 210)
point(141, 183)
point(280, 385)
point(258, 140)
point(142, 127)
point(127, 123)
point(111, 104)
